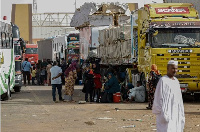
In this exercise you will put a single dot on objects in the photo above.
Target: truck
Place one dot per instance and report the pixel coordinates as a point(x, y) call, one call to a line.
point(54, 48)
point(170, 31)
point(31, 52)
point(73, 47)
point(18, 57)
point(157, 33)
point(7, 60)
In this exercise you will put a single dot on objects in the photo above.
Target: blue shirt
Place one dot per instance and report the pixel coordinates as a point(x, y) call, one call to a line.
point(26, 66)
point(55, 70)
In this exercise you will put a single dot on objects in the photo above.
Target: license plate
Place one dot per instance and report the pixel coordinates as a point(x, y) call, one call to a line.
point(179, 51)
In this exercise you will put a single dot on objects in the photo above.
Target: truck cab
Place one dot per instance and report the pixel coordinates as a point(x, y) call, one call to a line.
point(31, 52)
point(170, 31)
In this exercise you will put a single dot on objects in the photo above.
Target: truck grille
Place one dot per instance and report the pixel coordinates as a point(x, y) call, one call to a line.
point(188, 67)
point(185, 76)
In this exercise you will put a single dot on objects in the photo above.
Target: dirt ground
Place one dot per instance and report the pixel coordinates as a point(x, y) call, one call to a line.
point(32, 110)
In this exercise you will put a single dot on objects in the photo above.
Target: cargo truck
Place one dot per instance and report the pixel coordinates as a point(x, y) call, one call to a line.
point(52, 48)
point(31, 52)
point(170, 31)
point(18, 57)
point(73, 47)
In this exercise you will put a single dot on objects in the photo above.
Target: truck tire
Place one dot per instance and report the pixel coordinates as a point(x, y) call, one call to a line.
point(17, 89)
point(8, 94)
point(197, 96)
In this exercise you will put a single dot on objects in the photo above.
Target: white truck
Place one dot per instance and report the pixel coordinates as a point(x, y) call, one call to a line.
point(7, 60)
point(52, 48)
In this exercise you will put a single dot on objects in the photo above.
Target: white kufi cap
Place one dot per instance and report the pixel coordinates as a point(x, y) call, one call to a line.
point(172, 62)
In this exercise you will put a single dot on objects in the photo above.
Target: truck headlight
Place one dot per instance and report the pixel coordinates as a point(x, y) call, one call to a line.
point(18, 77)
point(183, 85)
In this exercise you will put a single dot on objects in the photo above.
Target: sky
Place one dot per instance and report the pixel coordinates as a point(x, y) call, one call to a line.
point(59, 5)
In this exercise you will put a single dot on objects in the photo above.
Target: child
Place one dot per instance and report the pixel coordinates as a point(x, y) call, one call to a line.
point(33, 74)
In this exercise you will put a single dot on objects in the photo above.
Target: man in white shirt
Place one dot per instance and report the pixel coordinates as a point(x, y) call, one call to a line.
point(168, 102)
point(56, 82)
point(137, 93)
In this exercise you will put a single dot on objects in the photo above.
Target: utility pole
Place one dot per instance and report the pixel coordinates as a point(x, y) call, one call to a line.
point(34, 6)
point(75, 5)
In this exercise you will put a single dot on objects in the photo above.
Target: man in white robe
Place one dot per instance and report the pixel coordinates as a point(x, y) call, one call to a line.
point(137, 93)
point(168, 102)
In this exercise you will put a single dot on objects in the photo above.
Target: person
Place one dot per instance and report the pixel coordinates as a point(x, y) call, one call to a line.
point(168, 103)
point(42, 75)
point(44, 72)
point(125, 90)
point(33, 75)
point(38, 72)
point(70, 77)
point(63, 67)
point(56, 73)
point(26, 67)
point(48, 73)
point(44, 63)
point(137, 93)
point(88, 83)
point(109, 70)
point(111, 86)
point(97, 82)
point(154, 73)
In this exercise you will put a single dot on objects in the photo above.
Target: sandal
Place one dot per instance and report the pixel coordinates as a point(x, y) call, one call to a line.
point(149, 108)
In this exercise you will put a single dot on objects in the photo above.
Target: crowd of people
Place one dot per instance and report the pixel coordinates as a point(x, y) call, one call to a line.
point(164, 94)
point(98, 85)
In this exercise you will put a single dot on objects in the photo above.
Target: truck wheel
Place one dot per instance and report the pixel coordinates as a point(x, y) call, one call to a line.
point(197, 96)
point(17, 89)
point(8, 94)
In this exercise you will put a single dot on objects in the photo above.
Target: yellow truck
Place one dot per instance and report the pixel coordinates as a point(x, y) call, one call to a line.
point(170, 31)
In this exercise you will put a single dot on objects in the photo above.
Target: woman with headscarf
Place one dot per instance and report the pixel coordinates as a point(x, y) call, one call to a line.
point(70, 77)
point(112, 86)
point(88, 83)
point(153, 80)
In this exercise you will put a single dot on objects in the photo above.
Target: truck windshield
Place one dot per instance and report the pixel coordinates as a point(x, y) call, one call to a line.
point(17, 65)
point(31, 50)
point(176, 37)
point(17, 50)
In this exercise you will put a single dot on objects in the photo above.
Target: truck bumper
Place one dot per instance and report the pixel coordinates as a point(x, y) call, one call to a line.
point(18, 83)
point(190, 87)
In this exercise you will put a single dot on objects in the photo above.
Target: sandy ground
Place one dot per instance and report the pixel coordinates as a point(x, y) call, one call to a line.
point(32, 110)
